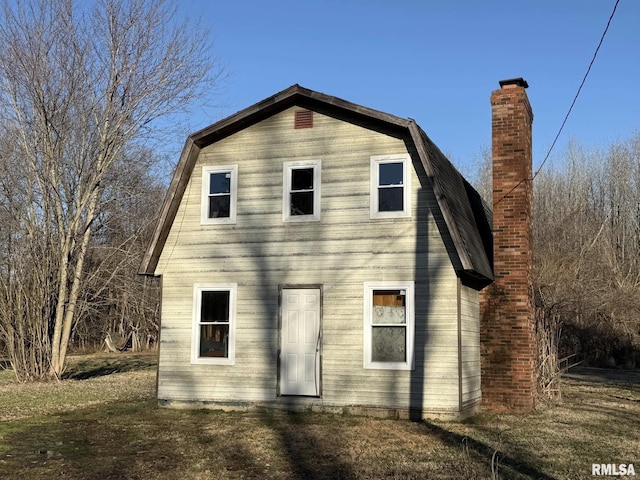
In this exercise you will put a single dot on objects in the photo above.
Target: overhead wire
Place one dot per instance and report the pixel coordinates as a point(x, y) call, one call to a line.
point(566, 117)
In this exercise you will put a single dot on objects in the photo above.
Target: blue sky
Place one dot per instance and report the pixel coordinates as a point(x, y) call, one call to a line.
point(436, 62)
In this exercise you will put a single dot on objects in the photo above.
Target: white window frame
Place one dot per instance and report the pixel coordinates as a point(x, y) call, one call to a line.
point(206, 171)
point(287, 168)
point(198, 288)
point(369, 288)
point(376, 161)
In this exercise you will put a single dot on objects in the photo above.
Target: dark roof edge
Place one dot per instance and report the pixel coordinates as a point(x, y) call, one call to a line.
point(470, 243)
point(170, 206)
point(295, 94)
point(440, 196)
point(331, 105)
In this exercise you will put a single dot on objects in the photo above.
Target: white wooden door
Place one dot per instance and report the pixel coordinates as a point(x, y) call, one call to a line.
point(300, 342)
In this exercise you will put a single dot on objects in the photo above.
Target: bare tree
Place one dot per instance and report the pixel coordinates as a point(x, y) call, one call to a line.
point(81, 88)
point(586, 257)
point(116, 303)
point(587, 241)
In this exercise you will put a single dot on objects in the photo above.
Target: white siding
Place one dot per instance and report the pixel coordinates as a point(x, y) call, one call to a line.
point(340, 252)
point(470, 346)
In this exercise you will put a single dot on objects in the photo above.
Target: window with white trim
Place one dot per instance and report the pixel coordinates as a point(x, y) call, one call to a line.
point(390, 186)
point(214, 324)
point(219, 194)
point(389, 325)
point(301, 192)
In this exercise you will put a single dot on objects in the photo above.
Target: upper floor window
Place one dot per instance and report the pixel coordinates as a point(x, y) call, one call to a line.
point(301, 195)
point(390, 186)
point(219, 194)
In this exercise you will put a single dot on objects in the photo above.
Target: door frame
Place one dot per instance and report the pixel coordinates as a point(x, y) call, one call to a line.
point(306, 286)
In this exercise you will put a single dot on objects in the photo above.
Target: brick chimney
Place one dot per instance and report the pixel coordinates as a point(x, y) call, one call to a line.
point(507, 326)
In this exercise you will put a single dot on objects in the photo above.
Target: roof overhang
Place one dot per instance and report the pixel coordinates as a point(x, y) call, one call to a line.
point(459, 204)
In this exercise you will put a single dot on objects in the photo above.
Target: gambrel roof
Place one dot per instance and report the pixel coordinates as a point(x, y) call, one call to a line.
point(464, 222)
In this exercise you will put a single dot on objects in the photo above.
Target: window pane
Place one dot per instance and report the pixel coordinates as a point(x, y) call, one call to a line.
point(388, 344)
point(215, 307)
point(301, 179)
point(302, 203)
point(220, 182)
point(391, 173)
point(220, 206)
point(386, 315)
point(393, 298)
point(391, 199)
point(214, 340)
point(388, 307)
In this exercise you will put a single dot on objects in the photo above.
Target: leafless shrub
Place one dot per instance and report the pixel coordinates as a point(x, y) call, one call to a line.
point(82, 88)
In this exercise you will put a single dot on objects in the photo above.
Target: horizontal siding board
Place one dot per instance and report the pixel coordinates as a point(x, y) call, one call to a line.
point(470, 327)
point(340, 252)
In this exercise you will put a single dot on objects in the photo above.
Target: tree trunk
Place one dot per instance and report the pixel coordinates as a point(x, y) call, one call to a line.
point(82, 90)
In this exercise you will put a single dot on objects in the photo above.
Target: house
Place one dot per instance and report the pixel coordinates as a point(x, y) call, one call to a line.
point(318, 254)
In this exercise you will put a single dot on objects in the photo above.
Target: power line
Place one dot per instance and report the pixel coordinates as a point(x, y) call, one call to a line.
point(584, 79)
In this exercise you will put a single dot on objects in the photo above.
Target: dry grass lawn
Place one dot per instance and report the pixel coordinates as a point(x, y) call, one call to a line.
point(103, 423)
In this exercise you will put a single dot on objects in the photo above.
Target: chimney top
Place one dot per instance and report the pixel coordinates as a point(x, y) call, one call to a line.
point(518, 82)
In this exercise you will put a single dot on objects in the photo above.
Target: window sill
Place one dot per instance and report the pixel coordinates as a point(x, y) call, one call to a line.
point(388, 366)
point(218, 221)
point(384, 215)
point(302, 219)
point(212, 361)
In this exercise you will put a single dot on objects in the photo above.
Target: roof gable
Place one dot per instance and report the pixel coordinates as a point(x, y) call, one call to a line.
point(305, 98)
point(459, 204)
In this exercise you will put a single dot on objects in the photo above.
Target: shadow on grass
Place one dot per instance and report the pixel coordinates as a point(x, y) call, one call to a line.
point(135, 440)
point(509, 467)
point(74, 444)
point(125, 441)
point(604, 376)
point(310, 455)
point(83, 368)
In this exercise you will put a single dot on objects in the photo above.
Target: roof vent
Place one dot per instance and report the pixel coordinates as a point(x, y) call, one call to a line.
point(304, 119)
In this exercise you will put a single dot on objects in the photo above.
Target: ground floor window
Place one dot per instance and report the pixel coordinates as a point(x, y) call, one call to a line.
point(213, 339)
point(388, 325)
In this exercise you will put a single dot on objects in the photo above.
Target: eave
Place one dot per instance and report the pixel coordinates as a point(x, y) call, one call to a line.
point(456, 199)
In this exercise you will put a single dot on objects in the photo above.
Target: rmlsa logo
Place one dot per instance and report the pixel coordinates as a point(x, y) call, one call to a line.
point(613, 469)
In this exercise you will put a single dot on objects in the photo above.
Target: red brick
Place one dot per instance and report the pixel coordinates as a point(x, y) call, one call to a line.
point(507, 326)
